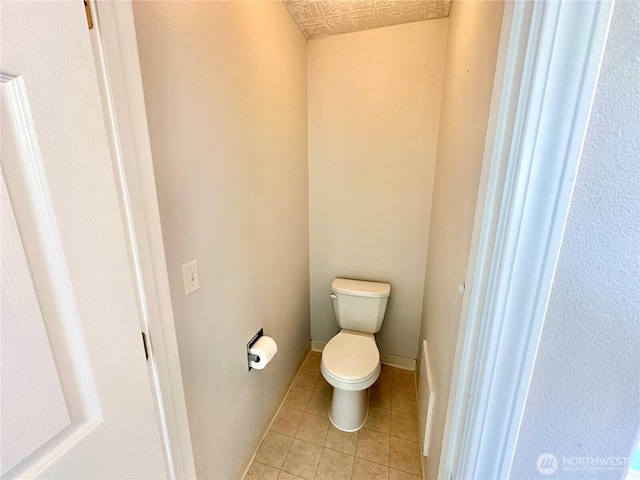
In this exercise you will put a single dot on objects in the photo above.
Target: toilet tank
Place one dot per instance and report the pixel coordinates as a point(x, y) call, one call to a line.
point(359, 305)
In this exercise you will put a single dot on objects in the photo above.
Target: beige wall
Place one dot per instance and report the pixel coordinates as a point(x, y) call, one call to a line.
point(374, 101)
point(225, 88)
point(474, 31)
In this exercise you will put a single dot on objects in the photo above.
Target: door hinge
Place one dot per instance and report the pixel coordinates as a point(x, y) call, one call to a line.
point(144, 344)
point(87, 9)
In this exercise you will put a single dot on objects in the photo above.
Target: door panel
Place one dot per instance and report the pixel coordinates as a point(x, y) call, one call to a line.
point(31, 386)
point(76, 398)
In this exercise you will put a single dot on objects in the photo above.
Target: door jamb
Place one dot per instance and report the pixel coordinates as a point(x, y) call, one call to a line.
point(548, 63)
point(118, 69)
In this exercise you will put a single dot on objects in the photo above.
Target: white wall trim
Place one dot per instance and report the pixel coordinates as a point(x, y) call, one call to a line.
point(398, 362)
point(118, 67)
point(548, 64)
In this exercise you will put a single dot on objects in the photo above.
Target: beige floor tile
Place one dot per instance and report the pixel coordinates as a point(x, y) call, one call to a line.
point(287, 421)
point(312, 363)
point(380, 397)
point(403, 380)
point(404, 402)
point(373, 446)
point(340, 441)
point(398, 475)
point(302, 459)
point(306, 379)
point(287, 476)
point(319, 404)
point(405, 455)
point(274, 449)
point(379, 420)
point(385, 379)
point(365, 470)
point(384, 368)
point(313, 429)
point(323, 386)
point(298, 398)
point(258, 471)
point(404, 425)
point(334, 466)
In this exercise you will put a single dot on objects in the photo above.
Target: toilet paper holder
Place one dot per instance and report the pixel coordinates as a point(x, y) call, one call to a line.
point(250, 356)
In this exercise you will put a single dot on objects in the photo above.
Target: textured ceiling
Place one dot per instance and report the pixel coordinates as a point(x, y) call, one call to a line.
point(320, 18)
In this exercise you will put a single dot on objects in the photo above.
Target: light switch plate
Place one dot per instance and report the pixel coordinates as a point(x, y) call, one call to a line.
point(190, 277)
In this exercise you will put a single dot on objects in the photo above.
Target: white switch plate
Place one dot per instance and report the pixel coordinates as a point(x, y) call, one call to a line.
point(190, 277)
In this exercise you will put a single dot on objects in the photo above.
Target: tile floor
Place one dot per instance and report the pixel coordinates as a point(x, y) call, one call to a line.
point(302, 443)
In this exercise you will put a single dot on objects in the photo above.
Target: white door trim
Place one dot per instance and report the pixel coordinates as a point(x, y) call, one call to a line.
point(118, 68)
point(548, 64)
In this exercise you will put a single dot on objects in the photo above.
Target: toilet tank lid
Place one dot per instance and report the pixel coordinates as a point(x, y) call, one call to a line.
point(360, 288)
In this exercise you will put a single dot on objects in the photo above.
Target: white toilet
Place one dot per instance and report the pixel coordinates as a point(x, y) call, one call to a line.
point(351, 361)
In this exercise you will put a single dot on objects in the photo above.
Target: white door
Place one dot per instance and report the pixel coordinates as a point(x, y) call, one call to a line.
point(75, 395)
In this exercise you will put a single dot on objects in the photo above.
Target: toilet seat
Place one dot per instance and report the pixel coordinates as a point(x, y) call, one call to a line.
point(351, 361)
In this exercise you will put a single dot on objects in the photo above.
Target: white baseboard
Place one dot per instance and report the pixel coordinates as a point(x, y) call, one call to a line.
point(426, 399)
point(388, 359)
point(398, 362)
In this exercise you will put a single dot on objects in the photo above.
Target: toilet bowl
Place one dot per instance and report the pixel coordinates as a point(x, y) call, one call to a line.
point(350, 364)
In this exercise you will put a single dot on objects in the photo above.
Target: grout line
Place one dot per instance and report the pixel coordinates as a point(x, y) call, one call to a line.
point(285, 457)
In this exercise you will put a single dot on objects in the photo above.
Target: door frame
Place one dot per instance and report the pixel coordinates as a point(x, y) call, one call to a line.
point(115, 49)
point(549, 59)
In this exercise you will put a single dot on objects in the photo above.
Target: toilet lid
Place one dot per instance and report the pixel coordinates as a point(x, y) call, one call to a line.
point(351, 355)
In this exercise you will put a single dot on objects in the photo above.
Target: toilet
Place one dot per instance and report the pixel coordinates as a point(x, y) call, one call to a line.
point(351, 361)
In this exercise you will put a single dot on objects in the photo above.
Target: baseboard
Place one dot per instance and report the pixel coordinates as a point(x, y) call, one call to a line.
point(425, 394)
point(424, 467)
point(423, 458)
point(386, 358)
point(242, 469)
point(398, 361)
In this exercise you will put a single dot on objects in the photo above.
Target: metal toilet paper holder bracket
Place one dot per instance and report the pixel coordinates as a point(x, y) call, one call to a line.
point(250, 356)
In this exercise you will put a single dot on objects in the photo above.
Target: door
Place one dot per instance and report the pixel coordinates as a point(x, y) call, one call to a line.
point(75, 395)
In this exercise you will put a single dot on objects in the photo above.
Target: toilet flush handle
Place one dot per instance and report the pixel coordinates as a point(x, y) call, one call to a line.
point(334, 296)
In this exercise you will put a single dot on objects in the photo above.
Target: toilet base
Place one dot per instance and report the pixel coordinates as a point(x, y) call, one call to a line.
point(349, 409)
